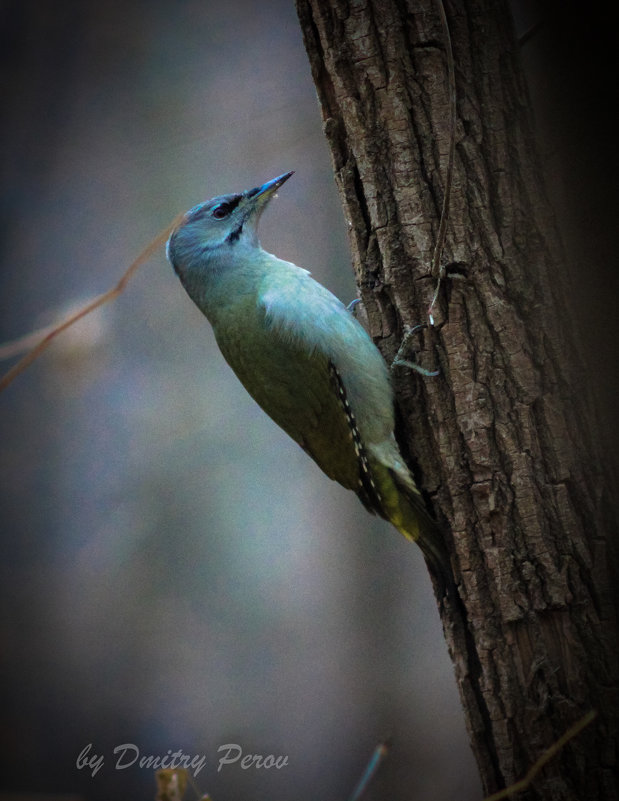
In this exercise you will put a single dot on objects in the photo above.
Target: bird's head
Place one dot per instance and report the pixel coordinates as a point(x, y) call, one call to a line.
point(211, 228)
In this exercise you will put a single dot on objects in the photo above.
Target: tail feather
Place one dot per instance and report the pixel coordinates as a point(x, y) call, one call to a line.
point(415, 523)
point(401, 503)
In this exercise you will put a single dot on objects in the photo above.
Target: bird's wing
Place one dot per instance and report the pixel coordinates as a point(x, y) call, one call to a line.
point(296, 386)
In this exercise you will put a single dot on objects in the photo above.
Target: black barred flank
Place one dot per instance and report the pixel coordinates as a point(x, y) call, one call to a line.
point(368, 491)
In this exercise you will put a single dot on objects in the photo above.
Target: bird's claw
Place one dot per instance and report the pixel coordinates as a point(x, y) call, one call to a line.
point(400, 361)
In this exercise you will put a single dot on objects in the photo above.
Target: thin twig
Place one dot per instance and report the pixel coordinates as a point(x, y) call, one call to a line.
point(532, 31)
point(36, 351)
point(378, 755)
point(436, 267)
point(554, 749)
point(15, 347)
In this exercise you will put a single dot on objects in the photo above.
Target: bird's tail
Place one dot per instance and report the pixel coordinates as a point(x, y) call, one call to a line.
point(403, 505)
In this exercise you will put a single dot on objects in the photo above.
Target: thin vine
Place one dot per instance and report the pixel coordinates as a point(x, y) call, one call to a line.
point(436, 267)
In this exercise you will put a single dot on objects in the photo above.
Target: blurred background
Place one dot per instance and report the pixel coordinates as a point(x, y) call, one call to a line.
point(176, 573)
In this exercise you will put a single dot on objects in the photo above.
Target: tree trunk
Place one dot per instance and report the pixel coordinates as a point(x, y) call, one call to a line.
point(503, 446)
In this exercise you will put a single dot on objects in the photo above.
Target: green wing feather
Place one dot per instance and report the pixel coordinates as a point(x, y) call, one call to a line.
point(295, 388)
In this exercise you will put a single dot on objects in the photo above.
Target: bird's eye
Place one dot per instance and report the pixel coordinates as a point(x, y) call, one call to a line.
point(221, 211)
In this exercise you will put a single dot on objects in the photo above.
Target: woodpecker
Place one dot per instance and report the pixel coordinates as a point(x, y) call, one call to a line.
point(302, 356)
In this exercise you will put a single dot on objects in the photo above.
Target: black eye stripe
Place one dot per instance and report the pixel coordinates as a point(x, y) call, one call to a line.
point(222, 210)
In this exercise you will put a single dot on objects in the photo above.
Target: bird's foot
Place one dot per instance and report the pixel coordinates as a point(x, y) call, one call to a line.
point(405, 346)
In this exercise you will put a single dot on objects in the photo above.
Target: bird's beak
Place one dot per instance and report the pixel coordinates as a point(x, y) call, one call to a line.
point(261, 195)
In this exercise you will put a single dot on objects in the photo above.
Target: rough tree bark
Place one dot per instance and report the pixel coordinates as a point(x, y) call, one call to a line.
point(503, 446)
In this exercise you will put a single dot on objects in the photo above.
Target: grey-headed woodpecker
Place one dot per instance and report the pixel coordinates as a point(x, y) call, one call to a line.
point(302, 355)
